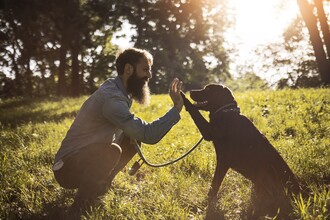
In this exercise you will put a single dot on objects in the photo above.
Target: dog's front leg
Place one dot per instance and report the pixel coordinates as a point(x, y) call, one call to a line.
point(219, 175)
point(202, 124)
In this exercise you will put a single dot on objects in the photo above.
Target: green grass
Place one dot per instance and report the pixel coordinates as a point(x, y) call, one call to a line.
point(297, 122)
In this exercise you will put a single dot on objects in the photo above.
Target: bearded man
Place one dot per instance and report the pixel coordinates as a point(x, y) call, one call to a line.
point(100, 142)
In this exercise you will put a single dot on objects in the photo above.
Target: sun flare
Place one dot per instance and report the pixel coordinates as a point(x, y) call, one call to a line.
point(259, 21)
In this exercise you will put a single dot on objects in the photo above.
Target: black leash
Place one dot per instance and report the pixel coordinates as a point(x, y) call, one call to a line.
point(137, 165)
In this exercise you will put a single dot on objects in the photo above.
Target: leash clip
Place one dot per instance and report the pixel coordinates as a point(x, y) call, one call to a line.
point(136, 166)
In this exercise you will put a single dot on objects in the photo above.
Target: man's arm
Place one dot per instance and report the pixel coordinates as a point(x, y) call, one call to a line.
point(202, 124)
point(116, 110)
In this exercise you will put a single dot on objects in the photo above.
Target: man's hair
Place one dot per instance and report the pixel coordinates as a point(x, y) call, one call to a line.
point(131, 56)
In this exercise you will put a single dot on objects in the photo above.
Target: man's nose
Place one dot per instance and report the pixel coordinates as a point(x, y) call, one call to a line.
point(149, 74)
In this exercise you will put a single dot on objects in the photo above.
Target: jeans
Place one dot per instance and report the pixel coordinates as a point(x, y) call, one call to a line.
point(94, 167)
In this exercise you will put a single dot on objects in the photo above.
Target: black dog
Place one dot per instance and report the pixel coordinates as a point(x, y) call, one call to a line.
point(239, 144)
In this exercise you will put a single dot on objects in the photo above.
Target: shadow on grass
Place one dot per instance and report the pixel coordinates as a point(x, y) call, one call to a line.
point(257, 208)
point(17, 112)
point(212, 214)
point(20, 102)
point(36, 117)
point(55, 210)
point(213, 211)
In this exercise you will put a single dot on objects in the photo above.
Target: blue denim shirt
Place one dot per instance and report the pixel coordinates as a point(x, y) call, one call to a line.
point(106, 111)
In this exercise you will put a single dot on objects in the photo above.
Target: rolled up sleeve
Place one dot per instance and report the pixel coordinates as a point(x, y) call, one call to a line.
point(116, 110)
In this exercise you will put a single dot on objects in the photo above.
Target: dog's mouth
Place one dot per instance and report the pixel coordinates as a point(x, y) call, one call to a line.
point(200, 104)
point(199, 101)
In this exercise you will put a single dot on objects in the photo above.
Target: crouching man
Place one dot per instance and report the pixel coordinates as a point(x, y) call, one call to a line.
point(100, 142)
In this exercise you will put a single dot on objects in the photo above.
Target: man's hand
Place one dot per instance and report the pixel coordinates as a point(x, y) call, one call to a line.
point(175, 89)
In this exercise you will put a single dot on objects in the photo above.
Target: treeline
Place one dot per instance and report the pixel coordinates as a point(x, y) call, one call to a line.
point(63, 47)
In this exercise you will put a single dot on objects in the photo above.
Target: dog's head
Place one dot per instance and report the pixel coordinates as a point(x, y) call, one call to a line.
point(212, 97)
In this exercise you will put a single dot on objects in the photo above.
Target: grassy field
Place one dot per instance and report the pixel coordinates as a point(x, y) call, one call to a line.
point(297, 123)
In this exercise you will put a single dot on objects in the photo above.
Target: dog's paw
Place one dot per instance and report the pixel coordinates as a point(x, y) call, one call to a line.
point(187, 104)
point(183, 96)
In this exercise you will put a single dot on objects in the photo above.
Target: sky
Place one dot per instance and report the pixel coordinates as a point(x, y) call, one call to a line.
point(262, 21)
point(259, 22)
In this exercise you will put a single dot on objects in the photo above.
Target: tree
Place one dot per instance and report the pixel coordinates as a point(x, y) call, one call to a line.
point(245, 82)
point(291, 61)
point(51, 37)
point(180, 34)
point(63, 46)
point(76, 25)
point(318, 41)
point(21, 42)
point(98, 60)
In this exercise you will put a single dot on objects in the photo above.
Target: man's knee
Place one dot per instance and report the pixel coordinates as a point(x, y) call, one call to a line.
point(128, 145)
point(115, 149)
point(114, 153)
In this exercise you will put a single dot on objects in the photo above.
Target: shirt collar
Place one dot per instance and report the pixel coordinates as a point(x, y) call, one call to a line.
point(120, 85)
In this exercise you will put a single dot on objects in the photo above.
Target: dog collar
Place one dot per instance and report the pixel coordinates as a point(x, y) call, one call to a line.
point(226, 109)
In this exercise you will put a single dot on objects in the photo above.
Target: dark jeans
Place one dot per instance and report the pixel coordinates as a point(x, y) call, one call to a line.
point(94, 166)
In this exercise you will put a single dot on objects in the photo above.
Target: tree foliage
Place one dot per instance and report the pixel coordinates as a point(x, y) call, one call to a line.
point(52, 47)
point(64, 47)
point(291, 60)
point(180, 34)
point(246, 82)
point(301, 58)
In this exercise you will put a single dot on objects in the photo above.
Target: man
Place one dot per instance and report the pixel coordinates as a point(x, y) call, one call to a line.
point(98, 144)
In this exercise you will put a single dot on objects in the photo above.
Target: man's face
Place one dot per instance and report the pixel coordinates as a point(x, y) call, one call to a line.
point(137, 83)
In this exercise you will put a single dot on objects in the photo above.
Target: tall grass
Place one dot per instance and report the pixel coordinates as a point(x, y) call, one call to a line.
point(295, 121)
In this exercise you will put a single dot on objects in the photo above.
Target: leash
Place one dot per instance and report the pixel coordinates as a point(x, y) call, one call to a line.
point(137, 165)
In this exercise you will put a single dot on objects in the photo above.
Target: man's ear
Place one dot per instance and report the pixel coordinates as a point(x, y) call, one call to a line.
point(128, 69)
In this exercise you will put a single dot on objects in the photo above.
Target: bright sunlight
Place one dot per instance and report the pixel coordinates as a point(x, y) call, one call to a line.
point(257, 22)
point(260, 21)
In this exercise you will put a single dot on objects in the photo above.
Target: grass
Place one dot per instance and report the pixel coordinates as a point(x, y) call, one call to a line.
point(295, 121)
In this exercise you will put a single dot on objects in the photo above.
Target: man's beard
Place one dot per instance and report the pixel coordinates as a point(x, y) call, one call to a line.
point(139, 89)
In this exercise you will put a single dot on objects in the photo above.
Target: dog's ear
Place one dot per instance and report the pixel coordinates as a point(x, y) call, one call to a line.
point(227, 94)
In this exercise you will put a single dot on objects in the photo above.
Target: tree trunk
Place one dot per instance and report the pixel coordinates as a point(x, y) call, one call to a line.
point(139, 25)
point(324, 24)
point(29, 80)
point(75, 80)
point(61, 86)
point(18, 90)
point(311, 22)
point(90, 80)
point(44, 87)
